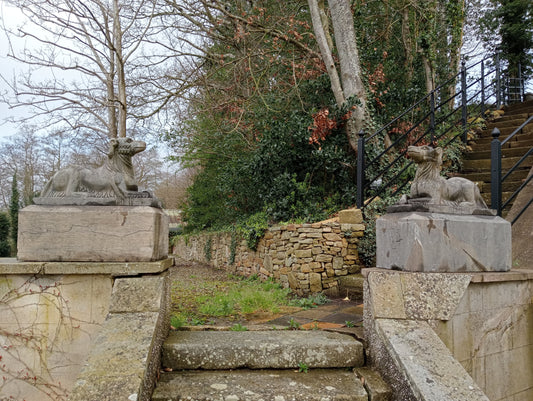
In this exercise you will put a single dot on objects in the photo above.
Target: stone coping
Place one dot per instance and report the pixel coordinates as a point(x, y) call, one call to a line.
point(476, 277)
point(13, 266)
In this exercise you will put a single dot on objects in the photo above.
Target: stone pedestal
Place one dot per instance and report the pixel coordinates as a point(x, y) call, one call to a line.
point(92, 234)
point(434, 242)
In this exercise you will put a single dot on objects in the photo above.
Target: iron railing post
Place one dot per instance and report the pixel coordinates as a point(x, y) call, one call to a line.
point(498, 82)
point(521, 88)
point(483, 88)
point(496, 172)
point(432, 117)
point(360, 196)
point(464, 116)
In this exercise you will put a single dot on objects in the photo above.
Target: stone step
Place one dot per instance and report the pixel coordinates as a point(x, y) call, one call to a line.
point(517, 175)
point(256, 385)
point(480, 165)
point(520, 108)
point(526, 134)
point(351, 286)
point(506, 152)
point(281, 349)
point(507, 186)
point(507, 121)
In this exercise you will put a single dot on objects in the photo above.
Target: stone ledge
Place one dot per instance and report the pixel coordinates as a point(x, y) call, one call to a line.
point(476, 277)
point(13, 266)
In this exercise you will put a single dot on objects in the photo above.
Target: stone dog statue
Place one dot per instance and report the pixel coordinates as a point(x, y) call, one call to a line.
point(114, 179)
point(431, 188)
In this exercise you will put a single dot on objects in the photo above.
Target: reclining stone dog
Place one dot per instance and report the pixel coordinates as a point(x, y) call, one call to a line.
point(110, 184)
point(429, 190)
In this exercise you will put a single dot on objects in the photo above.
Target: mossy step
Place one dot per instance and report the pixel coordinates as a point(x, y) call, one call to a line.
point(272, 349)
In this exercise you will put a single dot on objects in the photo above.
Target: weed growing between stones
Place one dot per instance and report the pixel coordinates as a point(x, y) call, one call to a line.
point(198, 301)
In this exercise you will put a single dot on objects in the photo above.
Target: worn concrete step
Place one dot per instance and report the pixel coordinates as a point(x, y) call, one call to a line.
point(256, 385)
point(484, 164)
point(283, 349)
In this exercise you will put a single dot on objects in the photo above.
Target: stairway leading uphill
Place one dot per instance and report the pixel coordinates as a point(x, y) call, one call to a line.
point(476, 166)
point(278, 365)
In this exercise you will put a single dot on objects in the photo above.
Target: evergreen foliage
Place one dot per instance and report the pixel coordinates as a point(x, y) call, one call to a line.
point(507, 26)
point(264, 132)
point(14, 207)
point(5, 249)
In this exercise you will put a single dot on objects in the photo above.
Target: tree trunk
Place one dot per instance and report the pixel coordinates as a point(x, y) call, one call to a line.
point(350, 83)
point(121, 78)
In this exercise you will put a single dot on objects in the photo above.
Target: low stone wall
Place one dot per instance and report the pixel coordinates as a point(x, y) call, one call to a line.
point(308, 258)
point(473, 333)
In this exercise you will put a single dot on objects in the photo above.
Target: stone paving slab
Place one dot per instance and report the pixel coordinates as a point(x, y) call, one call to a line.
point(273, 385)
point(281, 349)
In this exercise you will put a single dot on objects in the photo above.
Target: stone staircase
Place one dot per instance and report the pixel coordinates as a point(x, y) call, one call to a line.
point(476, 166)
point(278, 365)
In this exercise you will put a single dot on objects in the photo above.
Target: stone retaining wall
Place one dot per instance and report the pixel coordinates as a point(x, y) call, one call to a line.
point(308, 258)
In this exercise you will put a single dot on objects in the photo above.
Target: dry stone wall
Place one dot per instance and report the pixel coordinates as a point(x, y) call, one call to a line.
point(308, 258)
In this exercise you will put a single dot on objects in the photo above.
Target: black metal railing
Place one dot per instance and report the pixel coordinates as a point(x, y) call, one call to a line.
point(497, 179)
point(445, 115)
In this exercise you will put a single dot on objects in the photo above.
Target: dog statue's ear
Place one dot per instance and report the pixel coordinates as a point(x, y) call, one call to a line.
point(113, 143)
point(439, 152)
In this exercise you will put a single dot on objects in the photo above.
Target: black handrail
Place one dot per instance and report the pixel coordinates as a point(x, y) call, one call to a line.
point(496, 171)
point(479, 86)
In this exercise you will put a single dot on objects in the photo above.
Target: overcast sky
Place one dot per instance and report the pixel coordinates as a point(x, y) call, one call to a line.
point(8, 67)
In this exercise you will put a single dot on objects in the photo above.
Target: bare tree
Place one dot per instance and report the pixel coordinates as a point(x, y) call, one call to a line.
point(93, 65)
point(23, 154)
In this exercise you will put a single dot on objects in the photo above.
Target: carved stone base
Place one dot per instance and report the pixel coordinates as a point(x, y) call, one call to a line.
point(425, 205)
point(434, 242)
point(92, 234)
point(132, 198)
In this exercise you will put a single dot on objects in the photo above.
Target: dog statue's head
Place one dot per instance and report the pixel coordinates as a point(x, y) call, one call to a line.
point(425, 153)
point(125, 146)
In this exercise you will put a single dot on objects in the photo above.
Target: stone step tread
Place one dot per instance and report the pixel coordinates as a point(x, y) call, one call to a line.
point(484, 176)
point(275, 349)
point(256, 385)
point(486, 139)
point(506, 152)
point(484, 164)
point(508, 119)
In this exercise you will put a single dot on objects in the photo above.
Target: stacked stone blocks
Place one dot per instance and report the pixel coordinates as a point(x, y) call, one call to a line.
point(308, 258)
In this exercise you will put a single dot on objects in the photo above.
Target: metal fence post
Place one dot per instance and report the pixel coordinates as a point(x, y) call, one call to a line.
point(498, 82)
point(360, 196)
point(483, 88)
point(432, 117)
point(464, 116)
point(496, 172)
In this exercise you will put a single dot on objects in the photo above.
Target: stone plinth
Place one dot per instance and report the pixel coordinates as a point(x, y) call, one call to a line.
point(434, 242)
point(92, 234)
